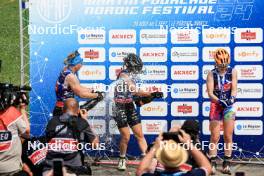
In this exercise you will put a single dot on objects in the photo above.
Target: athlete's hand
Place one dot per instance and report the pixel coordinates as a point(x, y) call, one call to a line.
point(100, 95)
point(230, 101)
point(223, 103)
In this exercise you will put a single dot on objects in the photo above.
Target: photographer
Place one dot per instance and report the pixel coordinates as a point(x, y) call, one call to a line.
point(65, 133)
point(68, 85)
point(13, 124)
point(172, 155)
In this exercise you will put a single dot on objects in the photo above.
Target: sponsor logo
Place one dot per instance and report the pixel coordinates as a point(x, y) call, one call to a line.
point(91, 36)
point(157, 72)
point(185, 91)
point(206, 130)
point(185, 36)
point(154, 126)
point(93, 54)
point(248, 35)
point(216, 35)
point(88, 72)
point(184, 109)
point(184, 54)
point(153, 36)
point(206, 108)
point(249, 109)
point(209, 52)
point(249, 90)
point(98, 126)
point(114, 71)
point(54, 11)
point(248, 54)
point(117, 54)
point(249, 72)
point(125, 36)
point(155, 88)
point(206, 70)
point(154, 109)
point(184, 72)
point(153, 54)
point(248, 127)
point(205, 92)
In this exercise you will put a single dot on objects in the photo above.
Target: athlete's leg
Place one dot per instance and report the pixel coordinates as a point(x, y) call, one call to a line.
point(214, 138)
point(125, 136)
point(228, 136)
point(137, 130)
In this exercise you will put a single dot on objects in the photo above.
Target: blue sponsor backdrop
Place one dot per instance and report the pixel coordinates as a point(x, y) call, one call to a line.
point(54, 26)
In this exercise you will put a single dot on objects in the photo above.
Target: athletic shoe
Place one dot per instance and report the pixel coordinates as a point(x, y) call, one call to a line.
point(226, 167)
point(121, 164)
point(214, 165)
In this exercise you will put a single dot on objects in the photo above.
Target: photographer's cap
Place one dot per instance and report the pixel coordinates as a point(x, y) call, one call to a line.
point(171, 154)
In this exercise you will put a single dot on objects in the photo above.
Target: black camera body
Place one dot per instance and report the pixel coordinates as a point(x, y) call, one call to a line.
point(11, 95)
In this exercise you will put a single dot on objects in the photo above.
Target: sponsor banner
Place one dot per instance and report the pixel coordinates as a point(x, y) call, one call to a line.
point(248, 35)
point(114, 71)
point(91, 36)
point(98, 110)
point(184, 90)
point(153, 54)
point(184, 54)
point(249, 72)
point(206, 129)
point(216, 35)
point(154, 72)
point(184, 72)
point(206, 108)
point(206, 70)
point(92, 54)
point(249, 90)
point(122, 36)
point(113, 128)
point(249, 109)
point(117, 54)
point(88, 72)
point(155, 87)
point(184, 36)
point(248, 127)
point(177, 123)
point(208, 53)
point(98, 126)
point(154, 109)
point(248, 54)
point(153, 36)
point(205, 92)
point(184, 108)
point(154, 126)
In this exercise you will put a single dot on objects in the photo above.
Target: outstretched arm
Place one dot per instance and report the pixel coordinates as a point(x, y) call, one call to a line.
point(78, 89)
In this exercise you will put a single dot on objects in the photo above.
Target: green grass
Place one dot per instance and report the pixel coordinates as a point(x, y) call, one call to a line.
point(9, 42)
